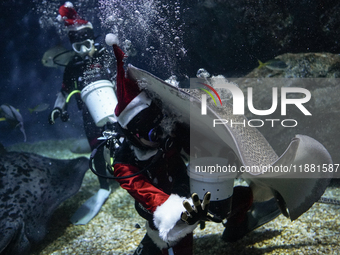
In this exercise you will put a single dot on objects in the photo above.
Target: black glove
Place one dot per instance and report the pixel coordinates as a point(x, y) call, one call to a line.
point(64, 116)
point(124, 154)
point(56, 113)
point(198, 212)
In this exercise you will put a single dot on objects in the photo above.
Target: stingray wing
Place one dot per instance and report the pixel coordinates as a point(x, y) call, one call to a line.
point(32, 187)
point(299, 187)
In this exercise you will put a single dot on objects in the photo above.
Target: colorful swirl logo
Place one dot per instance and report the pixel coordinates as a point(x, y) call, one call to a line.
point(211, 95)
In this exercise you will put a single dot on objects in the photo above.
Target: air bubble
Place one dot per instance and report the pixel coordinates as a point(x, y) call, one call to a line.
point(202, 73)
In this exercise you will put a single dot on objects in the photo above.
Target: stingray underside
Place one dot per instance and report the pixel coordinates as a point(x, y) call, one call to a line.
point(295, 193)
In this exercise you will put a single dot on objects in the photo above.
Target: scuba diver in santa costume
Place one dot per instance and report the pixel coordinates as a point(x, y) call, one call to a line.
point(159, 192)
point(87, 66)
point(150, 165)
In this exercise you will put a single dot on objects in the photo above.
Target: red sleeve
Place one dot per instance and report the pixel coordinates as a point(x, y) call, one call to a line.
point(139, 187)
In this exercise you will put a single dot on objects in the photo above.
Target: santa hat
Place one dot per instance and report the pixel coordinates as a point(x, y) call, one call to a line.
point(78, 29)
point(131, 100)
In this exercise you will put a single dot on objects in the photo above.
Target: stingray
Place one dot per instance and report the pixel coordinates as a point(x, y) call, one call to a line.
point(294, 191)
point(31, 188)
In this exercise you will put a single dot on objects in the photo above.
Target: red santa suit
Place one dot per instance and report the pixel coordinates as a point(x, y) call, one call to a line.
point(160, 191)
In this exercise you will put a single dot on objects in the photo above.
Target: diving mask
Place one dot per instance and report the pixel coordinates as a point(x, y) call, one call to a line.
point(84, 47)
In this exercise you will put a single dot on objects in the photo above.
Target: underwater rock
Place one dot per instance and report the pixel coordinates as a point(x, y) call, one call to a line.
point(302, 65)
point(31, 188)
point(230, 36)
point(316, 72)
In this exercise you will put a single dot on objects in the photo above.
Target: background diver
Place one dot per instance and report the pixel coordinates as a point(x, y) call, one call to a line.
point(87, 65)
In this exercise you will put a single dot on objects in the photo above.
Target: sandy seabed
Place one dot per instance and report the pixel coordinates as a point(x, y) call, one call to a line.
point(118, 229)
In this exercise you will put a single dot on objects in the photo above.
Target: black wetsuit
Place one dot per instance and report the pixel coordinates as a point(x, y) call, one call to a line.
point(79, 73)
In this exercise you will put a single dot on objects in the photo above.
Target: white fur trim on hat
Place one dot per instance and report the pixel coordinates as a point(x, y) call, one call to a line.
point(136, 105)
point(167, 219)
point(77, 27)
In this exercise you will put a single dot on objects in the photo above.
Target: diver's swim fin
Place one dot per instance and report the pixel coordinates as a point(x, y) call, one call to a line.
point(90, 208)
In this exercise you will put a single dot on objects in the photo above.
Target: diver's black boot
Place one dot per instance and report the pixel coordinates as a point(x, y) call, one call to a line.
point(147, 247)
point(236, 226)
point(241, 224)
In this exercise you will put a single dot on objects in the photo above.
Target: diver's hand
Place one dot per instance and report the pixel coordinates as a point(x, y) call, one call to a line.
point(64, 116)
point(57, 112)
point(54, 115)
point(198, 212)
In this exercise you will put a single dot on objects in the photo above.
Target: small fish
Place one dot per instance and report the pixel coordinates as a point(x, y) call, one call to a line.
point(13, 117)
point(39, 108)
point(57, 56)
point(274, 64)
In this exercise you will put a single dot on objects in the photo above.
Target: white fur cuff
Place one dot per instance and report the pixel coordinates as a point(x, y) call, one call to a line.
point(167, 218)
